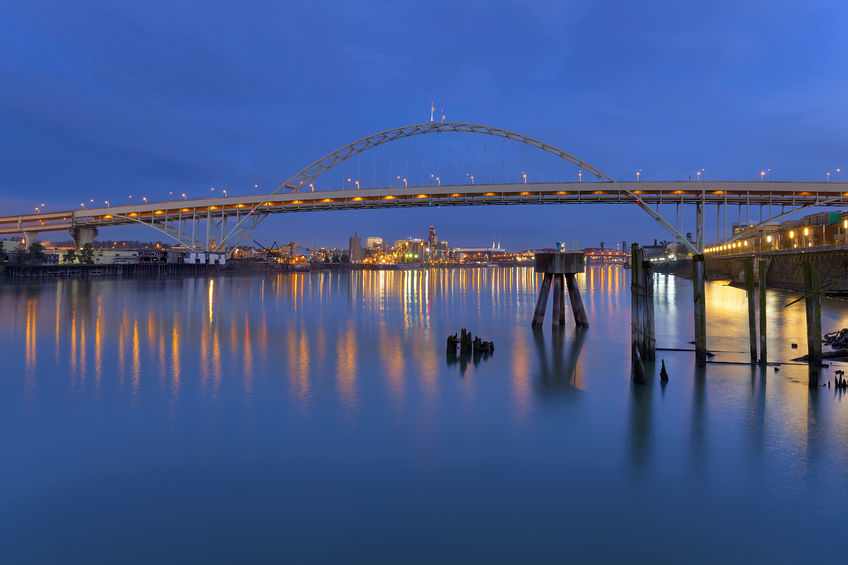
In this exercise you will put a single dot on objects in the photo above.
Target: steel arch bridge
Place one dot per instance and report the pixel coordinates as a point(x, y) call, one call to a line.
point(229, 220)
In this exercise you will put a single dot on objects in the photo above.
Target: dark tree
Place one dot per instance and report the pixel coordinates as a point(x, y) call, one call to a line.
point(86, 256)
point(71, 256)
point(36, 253)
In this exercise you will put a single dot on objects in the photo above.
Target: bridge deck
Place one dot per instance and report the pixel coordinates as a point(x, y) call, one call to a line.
point(667, 192)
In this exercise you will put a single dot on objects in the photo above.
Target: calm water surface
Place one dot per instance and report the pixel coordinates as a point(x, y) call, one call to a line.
point(315, 417)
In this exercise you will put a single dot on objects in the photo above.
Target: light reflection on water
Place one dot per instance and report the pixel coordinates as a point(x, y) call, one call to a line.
point(287, 384)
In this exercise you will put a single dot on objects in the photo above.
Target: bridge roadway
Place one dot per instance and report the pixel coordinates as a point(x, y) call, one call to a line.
point(791, 194)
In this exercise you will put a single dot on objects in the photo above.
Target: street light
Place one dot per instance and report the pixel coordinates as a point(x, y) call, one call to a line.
point(524, 176)
point(184, 195)
point(82, 204)
point(357, 184)
point(144, 198)
point(827, 177)
point(638, 175)
point(107, 203)
point(225, 192)
point(762, 175)
point(472, 179)
point(579, 175)
point(438, 181)
point(404, 183)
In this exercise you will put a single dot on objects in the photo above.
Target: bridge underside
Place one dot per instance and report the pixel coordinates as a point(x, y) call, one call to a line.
point(220, 224)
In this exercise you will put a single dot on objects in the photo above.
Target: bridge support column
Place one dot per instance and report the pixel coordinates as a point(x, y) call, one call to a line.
point(83, 235)
point(29, 238)
point(700, 310)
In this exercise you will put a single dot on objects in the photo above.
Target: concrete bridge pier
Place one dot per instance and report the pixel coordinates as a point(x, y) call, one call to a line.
point(29, 238)
point(83, 235)
point(560, 270)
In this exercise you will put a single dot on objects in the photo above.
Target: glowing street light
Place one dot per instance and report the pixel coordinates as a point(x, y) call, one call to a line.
point(524, 176)
point(82, 204)
point(404, 183)
point(357, 184)
point(579, 175)
point(638, 175)
point(144, 198)
point(472, 179)
point(311, 187)
point(106, 202)
point(762, 175)
point(225, 192)
point(184, 196)
point(827, 177)
point(438, 181)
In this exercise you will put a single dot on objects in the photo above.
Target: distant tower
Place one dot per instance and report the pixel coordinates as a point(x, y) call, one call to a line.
point(431, 236)
point(432, 110)
point(443, 114)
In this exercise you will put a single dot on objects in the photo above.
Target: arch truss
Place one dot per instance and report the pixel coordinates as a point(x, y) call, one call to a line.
point(305, 177)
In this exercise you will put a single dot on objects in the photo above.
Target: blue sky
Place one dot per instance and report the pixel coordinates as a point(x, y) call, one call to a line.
point(105, 99)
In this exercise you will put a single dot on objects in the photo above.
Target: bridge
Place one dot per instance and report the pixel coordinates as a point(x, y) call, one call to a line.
point(220, 224)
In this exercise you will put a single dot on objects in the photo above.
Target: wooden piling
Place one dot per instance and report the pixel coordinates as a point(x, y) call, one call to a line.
point(562, 299)
point(637, 337)
point(700, 310)
point(557, 312)
point(542, 302)
point(649, 346)
point(813, 311)
point(577, 307)
point(752, 311)
point(762, 276)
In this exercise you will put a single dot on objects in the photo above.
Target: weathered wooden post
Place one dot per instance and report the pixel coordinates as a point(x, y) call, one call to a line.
point(752, 311)
point(637, 337)
point(558, 312)
point(562, 299)
point(649, 347)
point(542, 301)
point(554, 266)
point(762, 276)
point(700, 310)
point(577, 307)
point(814, 334)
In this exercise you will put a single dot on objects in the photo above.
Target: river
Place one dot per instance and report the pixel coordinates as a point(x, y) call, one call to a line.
point(315, 417)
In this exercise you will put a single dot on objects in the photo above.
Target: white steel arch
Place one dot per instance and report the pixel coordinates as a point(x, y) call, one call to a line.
point(327, 162)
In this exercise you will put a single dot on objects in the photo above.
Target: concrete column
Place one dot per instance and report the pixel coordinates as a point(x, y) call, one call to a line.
point(83, 235)
point(29, 237)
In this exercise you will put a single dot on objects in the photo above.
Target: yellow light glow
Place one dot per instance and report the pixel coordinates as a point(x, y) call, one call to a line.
point(791, 235)
point(768, 239)
point(806, 231)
